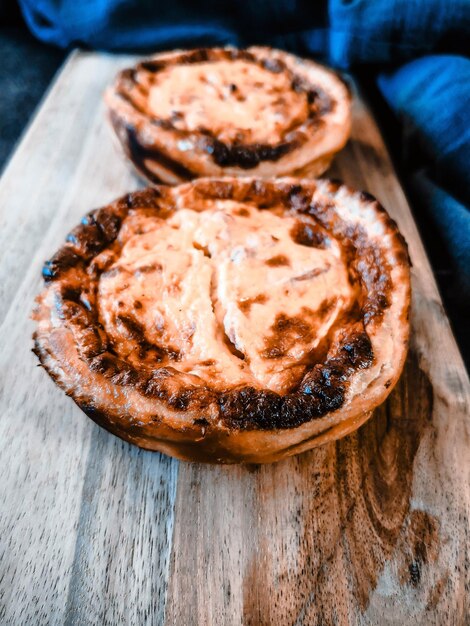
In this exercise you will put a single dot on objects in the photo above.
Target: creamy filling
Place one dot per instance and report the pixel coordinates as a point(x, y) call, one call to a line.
point(237, 101)
point(227, 294)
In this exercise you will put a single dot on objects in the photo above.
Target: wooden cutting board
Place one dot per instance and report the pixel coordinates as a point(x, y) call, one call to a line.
point(371, 530)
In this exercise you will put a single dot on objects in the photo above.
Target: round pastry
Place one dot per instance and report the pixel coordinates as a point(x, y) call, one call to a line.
point(229, 320)
point(228, 112)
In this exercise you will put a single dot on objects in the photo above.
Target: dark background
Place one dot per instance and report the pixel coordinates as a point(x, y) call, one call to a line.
point(28, 66)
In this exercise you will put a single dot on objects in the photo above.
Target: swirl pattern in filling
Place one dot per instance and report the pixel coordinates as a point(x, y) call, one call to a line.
point(231, 294)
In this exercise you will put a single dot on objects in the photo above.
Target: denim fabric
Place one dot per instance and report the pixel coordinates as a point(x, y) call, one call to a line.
point(431, 98)
point(453, 222)
point(384, 31)
point(145, 24)
point(345, 31)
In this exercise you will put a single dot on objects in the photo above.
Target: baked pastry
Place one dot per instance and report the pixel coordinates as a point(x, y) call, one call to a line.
point(228, 112)
point(229, 320)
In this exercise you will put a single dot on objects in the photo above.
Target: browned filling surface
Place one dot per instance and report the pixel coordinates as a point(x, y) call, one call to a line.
point(238, 107)
point(203, 297)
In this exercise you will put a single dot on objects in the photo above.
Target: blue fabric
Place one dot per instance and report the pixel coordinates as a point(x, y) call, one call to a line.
point(430, 95)
point(431, 98)
point(345, 31)
point(383, 31)
point(145, 24)
point(453, 221)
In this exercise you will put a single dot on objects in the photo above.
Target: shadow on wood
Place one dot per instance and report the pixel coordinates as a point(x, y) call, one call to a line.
point(356, 512)
point(308, 538)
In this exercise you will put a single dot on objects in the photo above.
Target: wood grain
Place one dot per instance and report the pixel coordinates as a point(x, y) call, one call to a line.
point(373, 529)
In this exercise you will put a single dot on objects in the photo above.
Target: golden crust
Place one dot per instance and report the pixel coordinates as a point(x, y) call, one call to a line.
point(161, 408)
point(164, 149)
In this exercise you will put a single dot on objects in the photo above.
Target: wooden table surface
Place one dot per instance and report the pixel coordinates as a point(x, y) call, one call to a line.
point(371, 530)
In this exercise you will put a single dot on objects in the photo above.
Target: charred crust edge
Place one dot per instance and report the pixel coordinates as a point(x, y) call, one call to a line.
point(322, 389)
